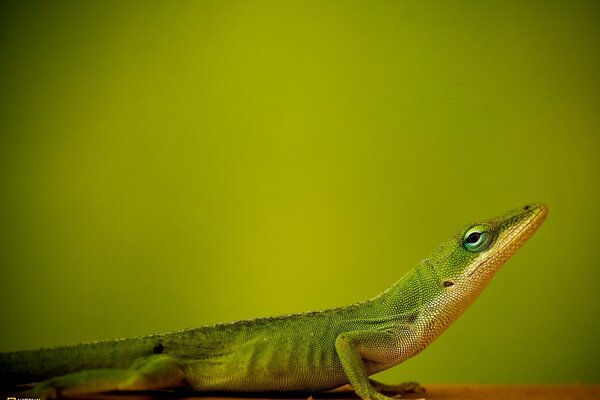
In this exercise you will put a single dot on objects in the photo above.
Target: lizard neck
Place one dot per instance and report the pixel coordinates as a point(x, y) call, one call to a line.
point(411, 293)
point(420, 296)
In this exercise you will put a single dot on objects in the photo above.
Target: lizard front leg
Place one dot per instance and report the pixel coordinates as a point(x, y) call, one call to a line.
point(358, 350)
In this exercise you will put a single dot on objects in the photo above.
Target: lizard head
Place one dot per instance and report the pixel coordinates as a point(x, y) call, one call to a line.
point(455, 274)
point(474, 254)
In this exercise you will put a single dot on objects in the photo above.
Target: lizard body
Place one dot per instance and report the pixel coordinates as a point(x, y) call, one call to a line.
point(315, 351)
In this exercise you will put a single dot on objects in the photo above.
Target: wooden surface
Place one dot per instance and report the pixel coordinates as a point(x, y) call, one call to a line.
point(434, 392)
point(500, 392)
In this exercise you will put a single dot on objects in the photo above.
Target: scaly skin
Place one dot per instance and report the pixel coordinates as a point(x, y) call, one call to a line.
point(311, 352)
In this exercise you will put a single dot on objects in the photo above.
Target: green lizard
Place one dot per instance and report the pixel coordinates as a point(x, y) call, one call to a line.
point(312, 352)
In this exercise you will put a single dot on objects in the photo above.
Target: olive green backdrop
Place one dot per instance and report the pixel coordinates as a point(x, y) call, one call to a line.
point(173, 164)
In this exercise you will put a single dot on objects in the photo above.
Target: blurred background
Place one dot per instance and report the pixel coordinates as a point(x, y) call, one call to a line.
point(166, 165)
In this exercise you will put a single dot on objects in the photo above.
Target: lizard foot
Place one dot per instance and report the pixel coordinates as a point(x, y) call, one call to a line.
point(403, 388)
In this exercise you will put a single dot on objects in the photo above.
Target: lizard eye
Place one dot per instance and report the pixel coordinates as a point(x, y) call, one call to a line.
point(477, 239)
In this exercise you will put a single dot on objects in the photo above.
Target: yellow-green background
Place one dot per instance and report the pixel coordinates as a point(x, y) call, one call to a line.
point(173, 164)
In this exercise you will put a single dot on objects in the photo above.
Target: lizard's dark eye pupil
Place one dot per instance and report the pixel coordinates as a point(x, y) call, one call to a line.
point(473, 237)
point(477, 239)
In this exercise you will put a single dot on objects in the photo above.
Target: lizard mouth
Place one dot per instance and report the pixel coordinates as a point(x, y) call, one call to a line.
point(517, 227)
point(521, 226)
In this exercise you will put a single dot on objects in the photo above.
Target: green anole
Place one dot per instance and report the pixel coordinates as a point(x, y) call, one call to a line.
point(312, 352)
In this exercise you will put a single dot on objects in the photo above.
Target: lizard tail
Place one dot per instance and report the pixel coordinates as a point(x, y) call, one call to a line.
point(28, 366)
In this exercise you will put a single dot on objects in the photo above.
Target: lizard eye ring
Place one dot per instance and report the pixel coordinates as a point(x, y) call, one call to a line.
point(477, 239)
